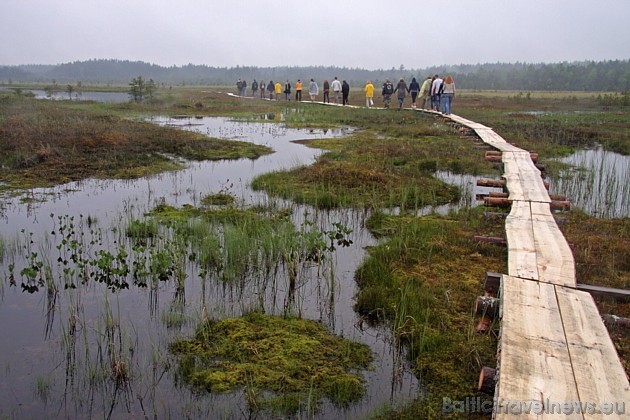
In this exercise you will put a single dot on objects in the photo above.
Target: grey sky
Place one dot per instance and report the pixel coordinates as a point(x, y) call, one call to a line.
point(370, 34)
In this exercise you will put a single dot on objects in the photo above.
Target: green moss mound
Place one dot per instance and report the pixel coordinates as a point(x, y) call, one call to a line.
point(285, 364)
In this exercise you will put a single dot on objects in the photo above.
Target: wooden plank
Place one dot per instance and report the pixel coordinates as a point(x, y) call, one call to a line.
point(599, 374)
point(520, 242)
point(531, 181)
point(606, 293)
point(534, 362)
point(553, 255)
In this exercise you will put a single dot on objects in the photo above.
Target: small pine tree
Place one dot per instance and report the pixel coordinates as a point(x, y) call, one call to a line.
point(137, 89)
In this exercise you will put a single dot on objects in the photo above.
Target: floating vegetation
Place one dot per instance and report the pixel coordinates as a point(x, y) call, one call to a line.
point(286, 365)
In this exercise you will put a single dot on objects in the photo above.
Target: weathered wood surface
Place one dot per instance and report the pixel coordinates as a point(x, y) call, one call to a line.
point(596, 365)
point(554, 346)
point(606, 293)
point(521, 243)
point(554, 258)
point(535, 364)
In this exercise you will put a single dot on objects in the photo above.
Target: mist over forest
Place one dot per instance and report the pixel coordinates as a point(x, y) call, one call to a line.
point(612, 75)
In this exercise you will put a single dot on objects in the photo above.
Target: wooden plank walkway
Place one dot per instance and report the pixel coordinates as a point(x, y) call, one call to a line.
point(556, 358)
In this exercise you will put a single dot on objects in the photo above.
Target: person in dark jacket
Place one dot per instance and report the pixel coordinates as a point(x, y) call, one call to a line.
point(387, 91)
point(254, 88)
point(270, 89)
point(414, 88)
point(345, 92)
point(402, 90)
point(326, 92)
point(287, 90)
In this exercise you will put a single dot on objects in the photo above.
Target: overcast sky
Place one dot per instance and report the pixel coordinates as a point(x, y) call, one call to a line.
point(370, 34)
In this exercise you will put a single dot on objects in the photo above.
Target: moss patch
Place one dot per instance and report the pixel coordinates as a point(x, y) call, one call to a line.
point(295, 362)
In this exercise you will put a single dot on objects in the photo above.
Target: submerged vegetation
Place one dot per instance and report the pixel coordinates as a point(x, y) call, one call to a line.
point(285, 365)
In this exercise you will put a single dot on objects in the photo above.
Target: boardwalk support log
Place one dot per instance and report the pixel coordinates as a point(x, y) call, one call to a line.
point(484, 325)
point(560, 205)
point(491, 239)
point(497, 202)
point(487, 305)
point(606, 293)
point(614, 321)
point(487, 381)
point(492, 284)
point(492, 183)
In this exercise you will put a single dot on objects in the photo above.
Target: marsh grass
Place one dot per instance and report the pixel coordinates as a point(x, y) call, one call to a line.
point(552, 124)
point(391, 162)
point(422, 278)
point(50, 142)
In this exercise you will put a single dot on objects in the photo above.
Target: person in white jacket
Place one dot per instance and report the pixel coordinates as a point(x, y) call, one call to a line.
point(336, 87)
point(436, 90)
point(313, 89)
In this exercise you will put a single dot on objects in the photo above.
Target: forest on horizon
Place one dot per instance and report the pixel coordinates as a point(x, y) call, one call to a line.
point(611, 75)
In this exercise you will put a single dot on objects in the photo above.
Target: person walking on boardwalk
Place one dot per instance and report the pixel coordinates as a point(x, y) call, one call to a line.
point(254, 88)
point(336, 87)
point(262, 88)
point(326, 87)
point(345, 92)
point(298, 90)
point(243, 88)
point(436, 90)
point(387, 91)
point(448, 93)
point(369, 94)
point(414, 89)
point(270, 89)
point(402, 90)
point(313, 90)
point(425, 91)
point(278, 87)
point(287, 90)
point(239, 87)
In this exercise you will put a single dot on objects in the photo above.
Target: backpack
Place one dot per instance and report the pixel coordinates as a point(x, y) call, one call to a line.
point(388, 88)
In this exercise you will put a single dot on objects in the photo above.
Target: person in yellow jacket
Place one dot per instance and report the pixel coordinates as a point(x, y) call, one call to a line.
point(298, 90)
point(425, 90)
point(278, 87)
point(369, 94)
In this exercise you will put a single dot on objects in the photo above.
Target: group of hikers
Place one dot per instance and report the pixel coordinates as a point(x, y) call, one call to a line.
point(437, 91)
point(340, 89)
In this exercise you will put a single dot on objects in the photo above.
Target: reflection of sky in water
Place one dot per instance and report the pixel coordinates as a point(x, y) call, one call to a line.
point(598, 182)
point(84, 96)
point(30, 355)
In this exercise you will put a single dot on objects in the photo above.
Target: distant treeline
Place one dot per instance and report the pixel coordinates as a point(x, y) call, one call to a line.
point(613, 76)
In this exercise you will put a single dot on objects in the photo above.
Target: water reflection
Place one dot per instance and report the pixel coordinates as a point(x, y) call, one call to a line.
point(66, 342)
point(83, 96)
point(598, 182)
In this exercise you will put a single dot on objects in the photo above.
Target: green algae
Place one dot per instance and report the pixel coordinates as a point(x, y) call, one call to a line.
point(286, 363)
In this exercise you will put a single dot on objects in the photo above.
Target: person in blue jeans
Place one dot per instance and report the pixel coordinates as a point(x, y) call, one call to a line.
point(448, 93)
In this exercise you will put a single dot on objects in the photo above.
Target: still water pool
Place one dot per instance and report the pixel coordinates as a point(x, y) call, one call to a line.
point(57, 343)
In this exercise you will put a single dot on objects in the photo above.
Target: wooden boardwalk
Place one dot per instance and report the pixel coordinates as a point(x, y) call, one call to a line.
point(555, 356)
